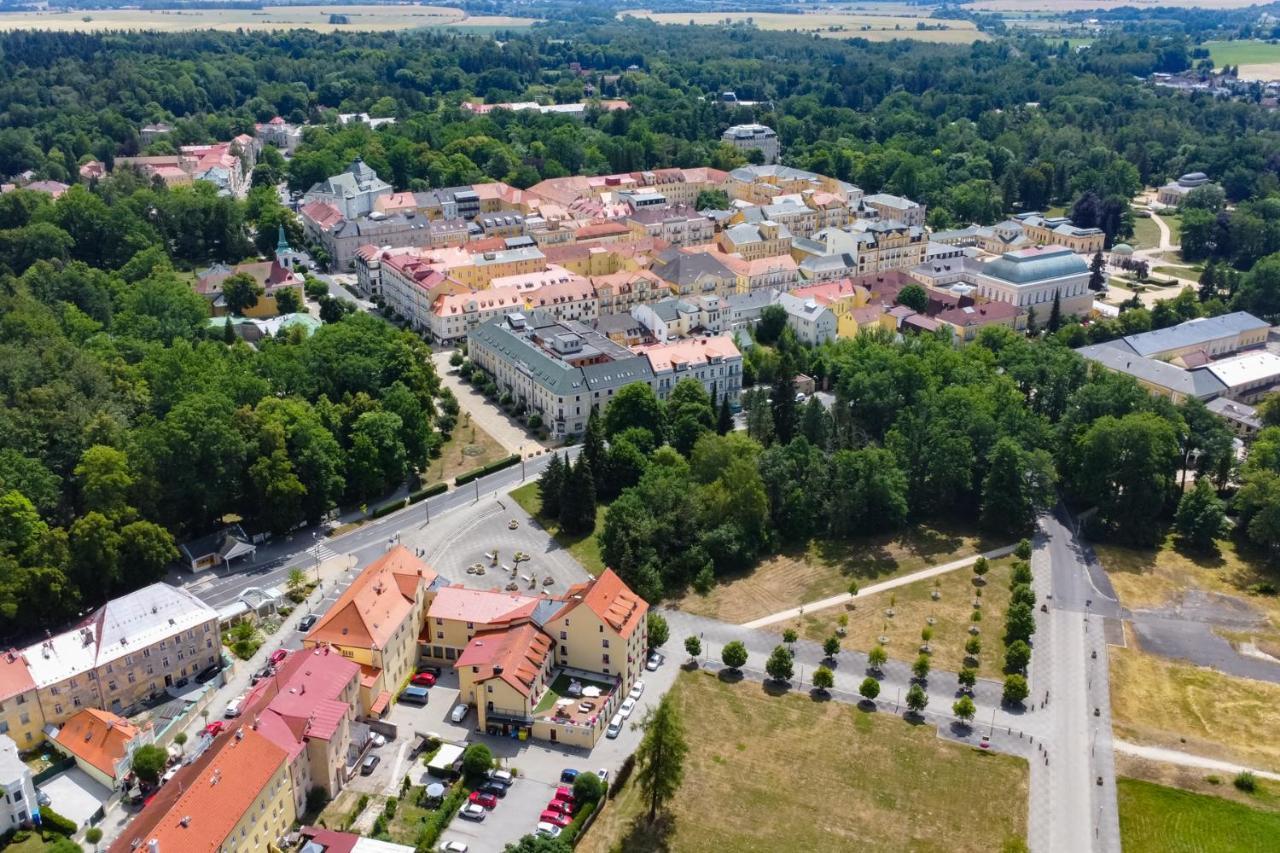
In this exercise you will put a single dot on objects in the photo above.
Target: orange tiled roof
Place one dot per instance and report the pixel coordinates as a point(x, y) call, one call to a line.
point(98, 737)
point(612, 600)
point(15, 677)
point(516, 655)
point(376, 603)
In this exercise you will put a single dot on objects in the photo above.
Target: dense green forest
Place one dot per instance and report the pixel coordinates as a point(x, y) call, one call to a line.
point(129, 424)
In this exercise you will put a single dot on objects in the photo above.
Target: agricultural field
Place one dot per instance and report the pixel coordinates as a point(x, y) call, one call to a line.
point(362, 18)
point(873, 27)
point(1061, 6)
point(1159, 819)
point(1258, 60)
point(885, 784)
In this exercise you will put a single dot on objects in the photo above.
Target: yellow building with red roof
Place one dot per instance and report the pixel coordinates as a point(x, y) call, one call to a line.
point(20, 715)
point(375, 623)
point(102, 743)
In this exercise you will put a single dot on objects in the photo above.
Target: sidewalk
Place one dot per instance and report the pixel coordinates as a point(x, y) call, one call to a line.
point(487, 415)
point(923, 574)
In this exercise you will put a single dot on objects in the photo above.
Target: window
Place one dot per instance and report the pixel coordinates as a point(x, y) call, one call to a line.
point(75, 700)
point(24, 718)
point(164, 662)
point(604, 643)
point(57, 708)
point(111, 685)
point(55, 690)
point(132, 678)
point(564, 635)
point(604, 658)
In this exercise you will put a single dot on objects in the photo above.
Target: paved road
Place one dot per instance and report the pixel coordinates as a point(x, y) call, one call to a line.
point(1179, 637)
point(1069, 676)
point(1186, 759)
point(914, 577)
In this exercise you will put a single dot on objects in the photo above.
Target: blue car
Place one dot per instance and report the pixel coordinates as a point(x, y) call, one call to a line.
point(568, 775)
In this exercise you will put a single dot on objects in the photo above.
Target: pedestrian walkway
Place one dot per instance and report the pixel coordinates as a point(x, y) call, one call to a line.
point(894, 583)
point(486, 415)
point(1186, 759)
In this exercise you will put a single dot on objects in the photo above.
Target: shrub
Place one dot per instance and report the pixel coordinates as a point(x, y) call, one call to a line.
point(624, 773)
point(55, 822)
point(477, 473)
point(1015, 689)
point(588, 788)
point(430, 491)
point(439, 819)
point(1245, 781)
point(1023, 551)
point(390, 808)
point(535, 421)
point(571, 831)
point(386, 509)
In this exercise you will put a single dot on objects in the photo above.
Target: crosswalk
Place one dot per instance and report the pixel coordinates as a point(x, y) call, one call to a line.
point(321, 552)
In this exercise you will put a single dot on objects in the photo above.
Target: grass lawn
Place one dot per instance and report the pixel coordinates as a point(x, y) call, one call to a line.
point(912, 605)
point(1145, 233)
point(1157, 819)
point(1242, 52)
point(560, 688)
point(1164, 703)
point(1179, 272)
point(826, 567)
point(339, 809)
point(585, 548)
point(34, 843)
point(468, 448)
point(405, 826)
point(788, 773)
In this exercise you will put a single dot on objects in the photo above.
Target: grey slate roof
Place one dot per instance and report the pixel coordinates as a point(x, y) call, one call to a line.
point(1194, 332)
point(1191, 383)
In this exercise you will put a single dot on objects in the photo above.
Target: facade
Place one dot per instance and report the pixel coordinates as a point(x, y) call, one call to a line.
point(844, 298)
point(813, 322)
point(895, 208)
point(676, 317)
point(556, 291)
point(352, 192)
point(753, 137)
point(968, 320)
point(680, 225)
point(279, 133)
point(343, 237)
point(754, 241)
point(715, 362)
point(693, 273)
point(375, 623)
point(131, 648)
point(763, 184)
point(560, 370)
point(17, 791)
point(1241, 418)
point(860, 249)
point(1059, 231)
point(20, 716)
point(1028, 279)
point(619, 292)
point(1173, 193)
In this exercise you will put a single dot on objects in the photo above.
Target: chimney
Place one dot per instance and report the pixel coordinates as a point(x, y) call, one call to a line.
point(153, 846)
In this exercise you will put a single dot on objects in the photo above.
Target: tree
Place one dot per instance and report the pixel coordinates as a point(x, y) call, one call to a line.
point(658, 630)
point(296, 581)
point(1055, 313)
point(181, 740)
point(1015, 689)
point(823, 678)
point(920, 669)
point(660, 756)
point(551, 487)
point(781, 664)
point(145, 551)
point(789, 636)
point(1097, 272)
point(734, 654)
point(287, 301)
point(1023, 549)
point(693, 646)
point(914, 297)
point(593, 448)
point(785, 412)
point(578, 501)
point(981, 566)
point(773, 319)
point(240, 292)
point(1016, 656)
point(1019, 486)
point(964, 709)
point(1209, 282)
point(477, 759)
point(149, 762)
point(634, 405)
point(537, 844)
point(588, 788)
point(967, 678)
point(1019, 623)
point(831, 647)
point(869, 689)
point(105, 480)
point(1201, 517)
point(973, 646)
point(93, 835)
point(1125, 466)
point(877, 657)
point(917, 699)
point(724, 420)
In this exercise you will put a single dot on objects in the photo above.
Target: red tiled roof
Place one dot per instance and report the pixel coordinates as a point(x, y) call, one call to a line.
point(15, 677)
point(375, 604)
point(612, 600)
point(98, 737)
point(480, 606)
point(516, 655)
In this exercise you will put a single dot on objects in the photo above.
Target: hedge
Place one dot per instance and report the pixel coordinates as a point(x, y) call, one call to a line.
point(386, 509)
point(49, 819)
point(579, 820)
point(439, 819)
point(477, 473)
point(430, 491)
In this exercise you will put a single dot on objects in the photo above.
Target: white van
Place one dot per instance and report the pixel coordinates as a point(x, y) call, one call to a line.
point(615, 726)
point(459, 713)
point(234, 707)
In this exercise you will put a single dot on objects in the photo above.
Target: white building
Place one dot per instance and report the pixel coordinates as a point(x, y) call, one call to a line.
point(352, 192)
point(17, 791)
point(753, 137)
point(813, 322)
point(1029, 279)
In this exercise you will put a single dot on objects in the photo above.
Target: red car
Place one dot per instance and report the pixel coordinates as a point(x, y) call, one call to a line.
point(215, 728)
point(560, 806)
point(564, 795)
point(278, 655)
point(489, 801)
point(555, 818)
point(424, 679)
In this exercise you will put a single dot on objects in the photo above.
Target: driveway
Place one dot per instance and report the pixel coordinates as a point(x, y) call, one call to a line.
point(490, 417)
point(75, 795)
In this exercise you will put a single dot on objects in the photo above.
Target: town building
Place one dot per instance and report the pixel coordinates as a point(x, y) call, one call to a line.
point(17, 790)
point(679, 225)
point(555, 291)
point(715, 362)
point(343, 237)
point(895, 208)
point(691, 273)
point(272, 276)
point(966, 321)
point(102, 744)
point(858, 249)
point(20, 714)
point(621, 291)
point(352, 192)
point(219, 548)
point(1241, 418)
point(753, 137)
point(1174, 193)
point(1029, 279)
point(279, 133)
point(764, 240)
point(1158, 377)
point(321, 840)
point(226, 165)
point(129, 649)
point(764, 184)
point(845, 299)
point(678, 317)
point(1059, 231)
point(149, 133)
point(375, 624)
point(559, 370)
point(1216, 337)
point(813, 322)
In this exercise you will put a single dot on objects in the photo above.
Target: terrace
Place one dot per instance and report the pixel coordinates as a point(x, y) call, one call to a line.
point(562, 704)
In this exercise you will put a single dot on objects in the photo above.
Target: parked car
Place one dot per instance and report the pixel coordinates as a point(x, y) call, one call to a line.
point(489, 801)
point(42, 798)
point(208, 674)
point(306, 622)
point(564, 794)
point(453, 847)
point(615, 726)
point(459, 713)
point(473, 811)
point(377, 740)
point(655, 661)
point(414, 695)
point(628, 705)
point(277, 656)
point(637, 690)
point(555, 818)
point(266, 672)
point(214, 728)
point(368, 765)
point(567, 775)
point(234, 707)
point(560, 806)
point(497, 789)
point(603, 775)
point(547, 830)
point(434, 670)
point(424, 679)
point(502, 777)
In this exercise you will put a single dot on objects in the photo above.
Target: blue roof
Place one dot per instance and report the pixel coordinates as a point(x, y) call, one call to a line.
point(1031, 265)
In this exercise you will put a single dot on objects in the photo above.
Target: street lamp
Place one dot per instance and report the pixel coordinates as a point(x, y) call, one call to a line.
point(522, 463)
point(315, 550)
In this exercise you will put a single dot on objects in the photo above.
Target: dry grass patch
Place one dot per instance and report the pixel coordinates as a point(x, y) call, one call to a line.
point(865, 619)
point(768, 773)
point(361, 18)
point(833, 24)
point(469, 447)
point(1158, 702)
point(1198, 780)
point(825, 568)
